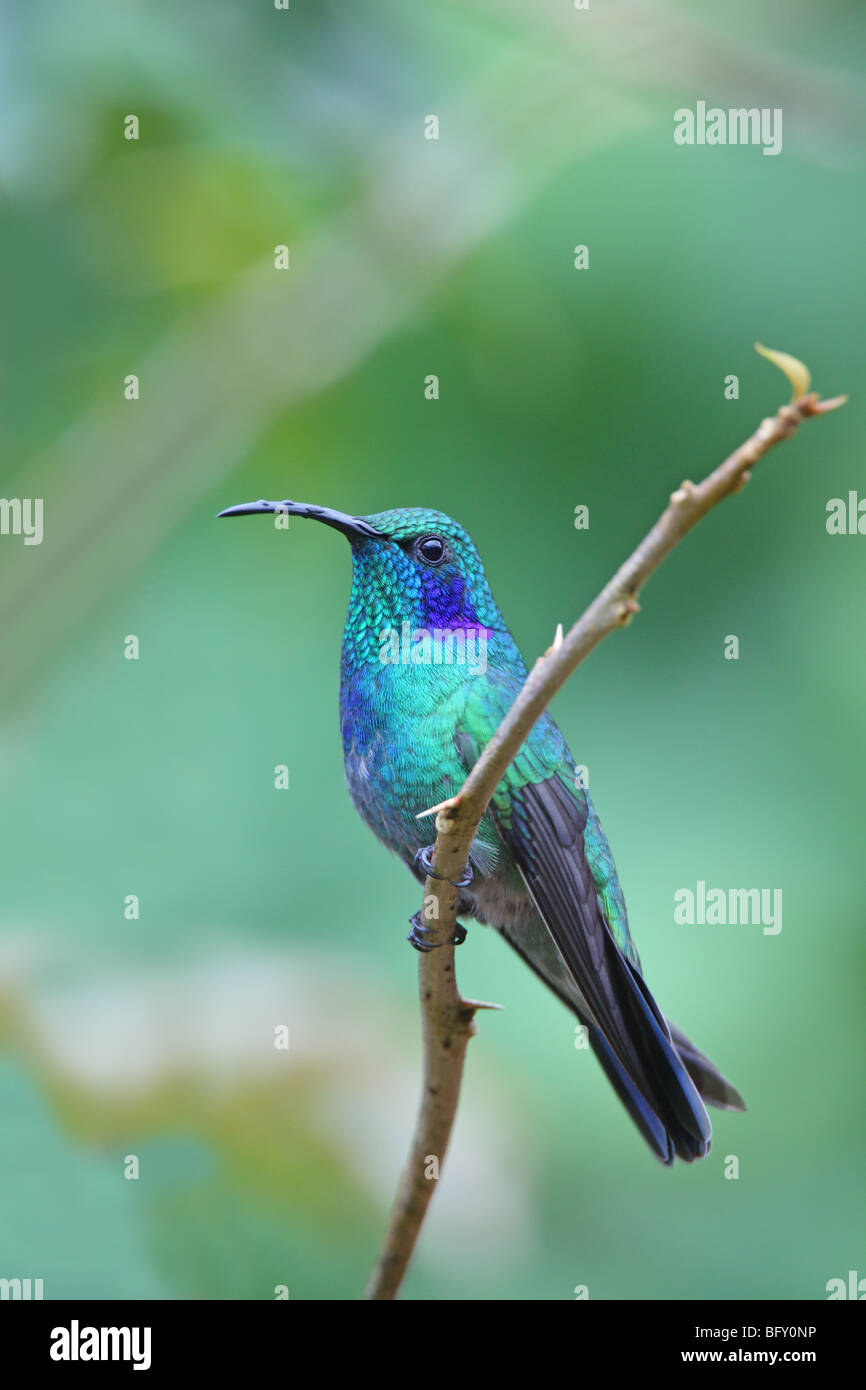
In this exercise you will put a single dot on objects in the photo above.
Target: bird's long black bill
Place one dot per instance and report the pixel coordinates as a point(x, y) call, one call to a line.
point(351, 526)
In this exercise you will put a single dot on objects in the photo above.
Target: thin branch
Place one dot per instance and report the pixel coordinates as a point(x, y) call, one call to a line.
point(447, 1019)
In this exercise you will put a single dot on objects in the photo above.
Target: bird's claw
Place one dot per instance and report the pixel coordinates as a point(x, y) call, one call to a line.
point(424, 861)
point(420, 935)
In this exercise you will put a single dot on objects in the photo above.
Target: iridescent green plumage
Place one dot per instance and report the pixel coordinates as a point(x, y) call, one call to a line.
point(429, 670)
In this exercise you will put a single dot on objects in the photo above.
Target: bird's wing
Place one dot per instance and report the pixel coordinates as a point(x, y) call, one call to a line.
point(547, 822)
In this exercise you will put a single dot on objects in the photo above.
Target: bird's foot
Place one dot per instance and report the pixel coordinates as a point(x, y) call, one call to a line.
point(424, 861)
point(420, 935)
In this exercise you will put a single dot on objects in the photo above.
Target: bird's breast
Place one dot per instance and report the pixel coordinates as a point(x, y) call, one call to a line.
point(399, 752)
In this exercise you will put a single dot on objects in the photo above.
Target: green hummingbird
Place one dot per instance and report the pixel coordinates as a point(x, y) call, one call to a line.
point(428, 672)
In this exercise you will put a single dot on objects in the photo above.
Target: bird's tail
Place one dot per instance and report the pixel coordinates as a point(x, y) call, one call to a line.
point(677, 1079)
point(665, 1140)
point(713, 1088)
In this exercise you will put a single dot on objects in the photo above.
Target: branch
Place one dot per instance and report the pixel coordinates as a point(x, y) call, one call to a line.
point(447, 1019)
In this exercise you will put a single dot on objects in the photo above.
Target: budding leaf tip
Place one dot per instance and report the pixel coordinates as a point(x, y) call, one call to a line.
point(796, 371)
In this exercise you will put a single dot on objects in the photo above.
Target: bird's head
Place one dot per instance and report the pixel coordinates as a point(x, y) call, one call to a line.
point(411, 565)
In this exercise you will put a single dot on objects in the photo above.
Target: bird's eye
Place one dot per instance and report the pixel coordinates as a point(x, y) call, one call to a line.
point(431, 549)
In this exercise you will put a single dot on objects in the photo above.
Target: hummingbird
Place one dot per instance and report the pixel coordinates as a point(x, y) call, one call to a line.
point(414, 718)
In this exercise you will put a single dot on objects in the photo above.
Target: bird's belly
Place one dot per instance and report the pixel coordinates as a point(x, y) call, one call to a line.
point(408, 764)
point(399, 773)
point(503, 902)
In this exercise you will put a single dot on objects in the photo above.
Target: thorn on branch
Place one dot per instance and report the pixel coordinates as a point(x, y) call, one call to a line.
point(824, 407)
point(449, 802)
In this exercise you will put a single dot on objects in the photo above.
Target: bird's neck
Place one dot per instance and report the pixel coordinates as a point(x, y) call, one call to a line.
point(384, 605)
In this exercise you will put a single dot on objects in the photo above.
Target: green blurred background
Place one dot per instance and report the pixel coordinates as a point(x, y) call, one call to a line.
point(155, 777)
